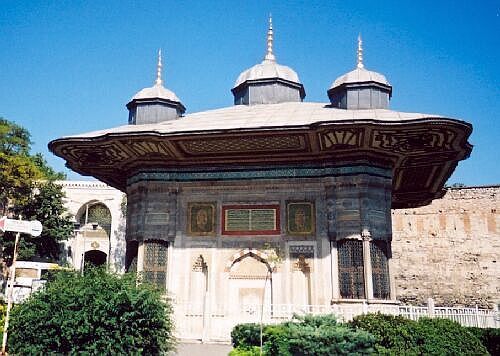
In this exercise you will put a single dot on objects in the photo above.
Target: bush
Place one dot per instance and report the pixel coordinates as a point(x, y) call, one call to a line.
point(489, 337)
point(322, 335)
point(308, 335)
point(394, 334)
point(447, 337)
point(98, 313)
point(245, 351)
point(246, 335)
point(397, 335)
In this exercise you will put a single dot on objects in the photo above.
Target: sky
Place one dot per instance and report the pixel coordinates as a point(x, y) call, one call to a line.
point(69, 67)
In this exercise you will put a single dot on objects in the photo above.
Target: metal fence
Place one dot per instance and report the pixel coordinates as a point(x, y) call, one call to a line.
point(214, 322)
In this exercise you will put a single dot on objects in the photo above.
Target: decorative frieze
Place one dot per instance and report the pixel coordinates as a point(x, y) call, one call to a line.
point(246, 144)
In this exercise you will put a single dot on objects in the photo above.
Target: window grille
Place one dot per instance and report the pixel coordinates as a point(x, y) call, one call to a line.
point(380, 270)
point(351, 270)
point(155, 262)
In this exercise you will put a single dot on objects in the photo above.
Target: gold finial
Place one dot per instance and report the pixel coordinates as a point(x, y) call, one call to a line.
point(269, 55)
point(360, 52)
point(158, 70)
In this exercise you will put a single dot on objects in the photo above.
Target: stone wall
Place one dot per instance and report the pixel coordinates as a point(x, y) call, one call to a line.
point(450, 249)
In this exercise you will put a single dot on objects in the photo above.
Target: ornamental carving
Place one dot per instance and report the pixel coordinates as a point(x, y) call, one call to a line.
point(413, 141)
point(103, 155)
point(244, 144)
point(301, 265)
point(199, 264)
point(340, 139)
point(142, 148)
point(301, 250)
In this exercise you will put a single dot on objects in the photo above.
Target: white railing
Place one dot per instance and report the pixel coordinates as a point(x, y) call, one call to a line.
point(215, 322)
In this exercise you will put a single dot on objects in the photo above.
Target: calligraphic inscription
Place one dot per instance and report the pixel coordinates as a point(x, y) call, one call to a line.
point(157, 218)
point(300, 218)
point(250, 220)
point(201, 219)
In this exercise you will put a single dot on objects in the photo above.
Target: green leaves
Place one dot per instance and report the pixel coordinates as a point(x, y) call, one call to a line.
point(45, 203)
point(303, 335)
point(99, 313)
point(26, 189)
point(397, 335)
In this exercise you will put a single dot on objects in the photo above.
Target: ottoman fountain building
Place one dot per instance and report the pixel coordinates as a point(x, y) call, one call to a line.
point(273, 196)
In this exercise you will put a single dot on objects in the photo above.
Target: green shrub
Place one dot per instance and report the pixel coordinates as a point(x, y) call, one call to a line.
point(305, 335)
point(245, 351)
point(98, 313)
point(396, 335)
point(315, 335)
point(447, 337)
point(276, 340)
point(489, 337)
point(246, 335)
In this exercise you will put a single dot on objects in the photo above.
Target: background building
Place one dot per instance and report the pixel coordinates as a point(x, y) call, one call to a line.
point(99, 224)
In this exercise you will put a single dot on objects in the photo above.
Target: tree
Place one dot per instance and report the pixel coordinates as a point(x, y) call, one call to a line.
point(98, 313)
point(27, 189)
point(45, 204)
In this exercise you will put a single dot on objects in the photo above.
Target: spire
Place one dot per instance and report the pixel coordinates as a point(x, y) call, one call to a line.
point(158, 70)
point(269, 55)
point(360, 52)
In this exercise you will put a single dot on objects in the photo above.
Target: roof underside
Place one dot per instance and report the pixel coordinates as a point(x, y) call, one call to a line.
point(422, 151)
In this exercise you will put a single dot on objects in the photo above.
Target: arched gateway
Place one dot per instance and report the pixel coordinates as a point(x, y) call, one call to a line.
point(311, 184)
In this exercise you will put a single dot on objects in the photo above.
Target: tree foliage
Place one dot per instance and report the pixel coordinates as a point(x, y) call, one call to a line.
point(27, 190)
point(46, 205)
point(98, 313)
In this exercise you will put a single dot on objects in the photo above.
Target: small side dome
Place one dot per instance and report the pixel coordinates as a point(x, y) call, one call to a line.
point(268, 82)
point(156, 91)
point(154, 104)
point(360, 88)
point(360, 75)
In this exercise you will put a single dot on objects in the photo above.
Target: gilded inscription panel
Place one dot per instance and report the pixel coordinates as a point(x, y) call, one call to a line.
point(250, 220)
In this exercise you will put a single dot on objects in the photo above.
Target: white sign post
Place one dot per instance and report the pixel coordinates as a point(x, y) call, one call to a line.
point(34, 228)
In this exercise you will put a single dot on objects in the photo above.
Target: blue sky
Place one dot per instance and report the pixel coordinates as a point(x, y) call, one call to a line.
point(70, 67)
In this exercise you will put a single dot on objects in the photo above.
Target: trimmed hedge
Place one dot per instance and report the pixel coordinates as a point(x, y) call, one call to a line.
point(489, 337)
point(397, 335)
point(367, 334)
point(308, 335)
point(246, 335)
point(245, 351)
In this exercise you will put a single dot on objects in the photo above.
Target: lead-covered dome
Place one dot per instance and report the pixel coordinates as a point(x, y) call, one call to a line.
point(154, 104)
point(360, 88)
point(268, 82)
point(360, 75)
point(156, 91)
point(267, 70)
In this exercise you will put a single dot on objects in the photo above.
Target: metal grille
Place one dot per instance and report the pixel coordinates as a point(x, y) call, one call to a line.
point(155, 262)
point(380, 270)
point(351, 271)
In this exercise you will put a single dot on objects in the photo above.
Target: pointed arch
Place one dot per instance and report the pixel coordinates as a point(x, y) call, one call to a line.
point(258, 255)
